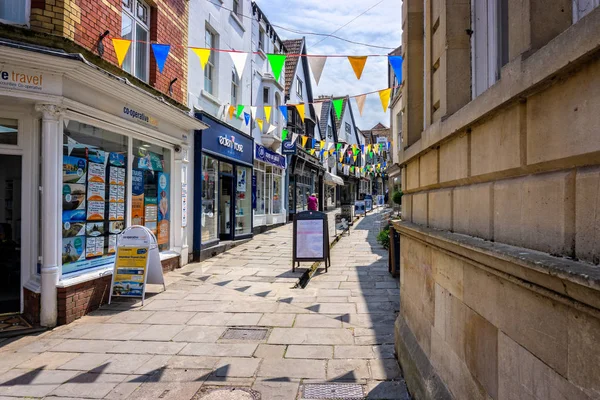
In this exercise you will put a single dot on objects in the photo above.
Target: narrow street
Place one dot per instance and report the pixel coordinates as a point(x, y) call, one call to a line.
point(338, 330)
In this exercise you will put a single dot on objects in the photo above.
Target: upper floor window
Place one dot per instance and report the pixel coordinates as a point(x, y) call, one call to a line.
point(299, 87)
point(329, 132)
point(209, 70)
point(261, 39)
point(14, 12)
point(135, 26)
point(235, 86)
point(581, 8)
point(237, 8)
point(347, 127)
point(266, 96)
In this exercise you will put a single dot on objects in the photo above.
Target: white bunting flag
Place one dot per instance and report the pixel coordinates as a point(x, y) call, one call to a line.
point(294, 137)
point(239, 61)
point(318, 107)
point(271, 128)
point(360, 102)
point(330, 146)
point(253, 111)
point(317, 63)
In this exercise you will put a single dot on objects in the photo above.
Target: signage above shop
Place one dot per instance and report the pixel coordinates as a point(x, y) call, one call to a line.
point(288, 147)
point(29, 80)
point(222, 141)
point(382, 139)
point(230, 142)
point(139, 117)
point(266, 155)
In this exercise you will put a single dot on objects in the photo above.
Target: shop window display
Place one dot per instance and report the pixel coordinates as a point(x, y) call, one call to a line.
point(274, 179)
point(93, 196)
point(261, 200)
point(209, 199)
point(243, 207)
point(151, 190)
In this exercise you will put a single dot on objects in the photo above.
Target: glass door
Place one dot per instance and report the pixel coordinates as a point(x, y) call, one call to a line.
point(10, 233)
point(226, 201)
point(243, 201)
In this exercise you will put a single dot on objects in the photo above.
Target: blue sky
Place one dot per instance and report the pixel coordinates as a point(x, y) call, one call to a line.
point(380, 26)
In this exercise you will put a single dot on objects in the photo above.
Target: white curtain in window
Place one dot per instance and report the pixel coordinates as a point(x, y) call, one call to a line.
point(13, 11)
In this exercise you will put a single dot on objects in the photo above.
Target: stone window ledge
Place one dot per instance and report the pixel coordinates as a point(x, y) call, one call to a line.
point(561, 279)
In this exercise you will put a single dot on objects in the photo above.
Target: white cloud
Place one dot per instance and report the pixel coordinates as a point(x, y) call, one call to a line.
point(381, 26)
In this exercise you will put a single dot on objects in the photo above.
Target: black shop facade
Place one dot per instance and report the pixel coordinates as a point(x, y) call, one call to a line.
point(305, 177)
point(223, 168)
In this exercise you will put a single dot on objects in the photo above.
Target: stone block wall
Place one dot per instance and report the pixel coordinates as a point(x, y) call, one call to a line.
point(83, 21)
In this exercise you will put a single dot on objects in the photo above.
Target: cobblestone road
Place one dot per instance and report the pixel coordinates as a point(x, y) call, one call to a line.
point(338, 330)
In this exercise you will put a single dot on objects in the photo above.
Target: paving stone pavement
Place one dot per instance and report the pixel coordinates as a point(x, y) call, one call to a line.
point(339, 329)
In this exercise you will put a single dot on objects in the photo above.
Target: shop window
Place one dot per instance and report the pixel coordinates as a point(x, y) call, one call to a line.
point(274, 193)
point(209, 71)
point(243, 205)
point(9, 130)
point(209, 218)
point(261, 197)
point(14, 12)
point(135, 26)
point(93, 196)
point(235, 86)
point(151, 190)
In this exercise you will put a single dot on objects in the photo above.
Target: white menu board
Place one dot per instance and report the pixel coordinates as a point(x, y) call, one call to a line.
point(309, 239)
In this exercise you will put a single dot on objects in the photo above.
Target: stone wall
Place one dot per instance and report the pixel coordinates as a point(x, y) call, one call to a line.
point(500, 239)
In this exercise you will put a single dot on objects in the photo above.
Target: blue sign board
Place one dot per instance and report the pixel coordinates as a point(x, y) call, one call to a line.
point(288, 147)
point(225, 142)
point(266, 155)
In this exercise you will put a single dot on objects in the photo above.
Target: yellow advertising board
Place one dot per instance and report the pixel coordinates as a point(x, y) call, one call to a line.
point(129, 276)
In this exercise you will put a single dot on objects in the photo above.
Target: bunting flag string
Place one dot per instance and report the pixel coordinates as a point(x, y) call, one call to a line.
point(247, 118)
point(253, 111)
point(318, 108)
point(284, 133)
point(277, 62)
point(121, 48)
point(203, 56)
point(300, 108)
point(161, 52)
point(384, 95)
point(239, 62)
point(283, 110)
point(316, 65)
point(337, 105)
point(240, 110)
point(259, 122)
point(267, 113)
point(358, 65)
point(231, 111)
point(360, 102)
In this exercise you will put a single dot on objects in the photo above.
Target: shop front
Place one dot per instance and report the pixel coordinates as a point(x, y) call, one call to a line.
point(306, 176)
point(82, 156)
point(268, 194)
point(333, 186)
point(223, 176)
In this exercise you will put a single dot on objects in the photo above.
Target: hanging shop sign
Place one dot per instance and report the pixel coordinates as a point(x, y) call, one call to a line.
point(288, 147)
point(382, 139)
point(266, 155)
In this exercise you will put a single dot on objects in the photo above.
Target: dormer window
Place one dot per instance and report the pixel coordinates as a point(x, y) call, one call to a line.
point(299, 87)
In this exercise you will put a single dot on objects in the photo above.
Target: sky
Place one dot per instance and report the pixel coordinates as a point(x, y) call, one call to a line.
point(381, 26)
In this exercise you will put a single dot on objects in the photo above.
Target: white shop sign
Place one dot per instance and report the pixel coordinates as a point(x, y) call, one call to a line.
point(28, 80)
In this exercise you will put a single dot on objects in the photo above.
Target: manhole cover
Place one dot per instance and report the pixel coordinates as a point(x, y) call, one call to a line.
point(227, 394)
point(342, 391)
point(245, 334)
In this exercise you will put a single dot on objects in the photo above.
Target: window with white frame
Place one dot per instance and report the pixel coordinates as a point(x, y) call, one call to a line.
point(135, 26)
point(299, 87)
point(261, 39)
point(238, 8)
point(235, 86)
point(276, 110)
point(581, 8)
point(489, 42)
point(209, 70)
point(14, 12)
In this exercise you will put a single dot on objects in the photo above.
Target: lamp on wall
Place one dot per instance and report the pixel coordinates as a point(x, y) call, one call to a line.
point(100, 44)
point(171, 87)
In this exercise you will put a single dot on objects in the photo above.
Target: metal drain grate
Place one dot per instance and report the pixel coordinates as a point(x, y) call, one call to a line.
point(245, 334)
point(332, 391)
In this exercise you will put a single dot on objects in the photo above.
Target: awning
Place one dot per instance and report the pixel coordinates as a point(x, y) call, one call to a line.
point(333, 180)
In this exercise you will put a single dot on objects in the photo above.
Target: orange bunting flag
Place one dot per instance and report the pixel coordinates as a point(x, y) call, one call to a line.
point(300, 108)
point(304, 139)
point(358, 64)
point(267, 113)
point(384, 95)
point(360, 102)
point(231, 111)
point(203, 55)
point(121, 48)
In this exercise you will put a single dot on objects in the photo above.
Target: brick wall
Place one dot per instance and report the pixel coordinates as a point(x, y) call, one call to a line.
point(83, 21)
point(76, 301)
point(31, 306)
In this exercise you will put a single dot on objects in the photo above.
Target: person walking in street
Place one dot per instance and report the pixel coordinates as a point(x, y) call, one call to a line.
point(313, 202)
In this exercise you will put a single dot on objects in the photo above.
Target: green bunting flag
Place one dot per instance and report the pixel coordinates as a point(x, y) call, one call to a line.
point(284, 134)
point(240, 110)
point(337, 104)
point(277, 62)
point(338, 146)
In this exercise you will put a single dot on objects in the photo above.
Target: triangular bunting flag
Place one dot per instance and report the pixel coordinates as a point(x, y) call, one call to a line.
point(304, 140)
point(161, 51)
point(330, 146)
point(277, 62)
point(313, 143)
point(318, 106)
point(354, 158)
point(253, 111)
point(272, 128)
point(121, 48)
point(300, 108)
point(203, 56)
point(360, 102)
point(240, 110)
point(384, 95)
point(283, 110)
point(259, 122)
point(396, 63)
point(239, 61)
point(267, 113)
point(338, 146)
point(294, 137)
point(231, 111)
point(284, 134)
point(312, 152)
point(322, 144)
point(337, 105)
point(358, 64)
point(247, 118)
point(316, 65)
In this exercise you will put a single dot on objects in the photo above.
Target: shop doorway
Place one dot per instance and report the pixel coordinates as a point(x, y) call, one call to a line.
point(226, 199)
point(10, 233)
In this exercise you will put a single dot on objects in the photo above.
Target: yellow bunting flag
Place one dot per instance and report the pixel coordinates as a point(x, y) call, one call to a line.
point(322, 143)
point(331, 151)
point(267, 113)
point(312, 152)
point(121, 48)
point(368, 148)
point(259, 122)
point(354, 158)
point(231, 111)
point(358, 64)
point(300, 108)
point(384, 95)
point(304, 139)
point(203, 55)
